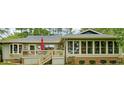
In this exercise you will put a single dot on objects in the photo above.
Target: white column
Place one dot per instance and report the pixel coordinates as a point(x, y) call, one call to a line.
point(120, 49)
point(100, 47)
point(79, 46)
point(35, 48)
point(106, 47)
point(86, 47)
point(93, 47)
point(17, 48)
point(12, 48)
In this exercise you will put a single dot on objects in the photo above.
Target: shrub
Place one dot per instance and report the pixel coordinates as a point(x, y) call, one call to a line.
point(92, 62)
point(103, 61)
point(113, 62)
point(81, 62)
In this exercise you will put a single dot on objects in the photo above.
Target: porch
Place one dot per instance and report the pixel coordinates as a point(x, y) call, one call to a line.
point(43, 57)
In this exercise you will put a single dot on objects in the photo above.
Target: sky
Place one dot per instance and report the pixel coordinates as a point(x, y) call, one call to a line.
point(12, 30)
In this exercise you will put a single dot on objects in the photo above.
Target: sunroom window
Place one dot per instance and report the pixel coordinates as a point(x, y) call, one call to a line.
point(110, 47)
point(103, 47)
point(97, 44)
point(76, 47)
point(90, 47)
point(70, 47)
point(83, 47)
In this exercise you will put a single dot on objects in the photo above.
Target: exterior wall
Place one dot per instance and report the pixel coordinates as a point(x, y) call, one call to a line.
point(75, 60)
point(5, 51)
point(30, 61)
point(15, 58)
point(58, 61)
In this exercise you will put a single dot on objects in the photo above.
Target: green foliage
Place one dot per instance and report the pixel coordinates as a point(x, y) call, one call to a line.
point(92, 62)
point(40, 31)
point(4, 31)
point(81, 62)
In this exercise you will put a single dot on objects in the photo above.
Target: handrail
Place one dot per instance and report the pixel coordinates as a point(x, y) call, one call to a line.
point(45, 55)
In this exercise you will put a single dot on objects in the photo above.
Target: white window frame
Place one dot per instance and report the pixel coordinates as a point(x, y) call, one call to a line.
point(13, 48)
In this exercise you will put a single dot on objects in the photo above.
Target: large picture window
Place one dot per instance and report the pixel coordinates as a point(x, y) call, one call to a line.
point(110, 47)
point(83, 47)
point(97, 47)
point(15, 48)
point(103, 47)
point(70, 47)
point(76, 47)
point(116, 48)
point(90, 47)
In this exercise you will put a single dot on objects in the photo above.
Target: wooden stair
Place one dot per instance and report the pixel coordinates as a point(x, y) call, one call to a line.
point(45, 59)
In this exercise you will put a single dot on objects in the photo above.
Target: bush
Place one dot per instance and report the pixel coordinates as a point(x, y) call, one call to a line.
point(103, 61)
point(92, 62)
point(113, 62)
point(81, 62)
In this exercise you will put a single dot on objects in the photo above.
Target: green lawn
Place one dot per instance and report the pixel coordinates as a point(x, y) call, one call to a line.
point(1, 63)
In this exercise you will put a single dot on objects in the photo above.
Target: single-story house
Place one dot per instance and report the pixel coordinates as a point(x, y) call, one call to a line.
point(88, 47)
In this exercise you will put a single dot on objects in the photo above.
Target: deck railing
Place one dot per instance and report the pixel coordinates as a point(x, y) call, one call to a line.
point(53, 53)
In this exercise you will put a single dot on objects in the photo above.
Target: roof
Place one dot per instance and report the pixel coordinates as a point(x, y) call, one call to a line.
point(89, 34)
point(36, 39)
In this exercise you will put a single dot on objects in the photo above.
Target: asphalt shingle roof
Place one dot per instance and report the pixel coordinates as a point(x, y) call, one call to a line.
point(37, 39)
point(57, 38)
point(88, 36)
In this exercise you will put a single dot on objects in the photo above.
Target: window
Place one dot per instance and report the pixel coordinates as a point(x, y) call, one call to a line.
point(11, 49)
point(70, 47)
point(116, 48)
point(83, 47)
point(15, 48)
point(97, 44)
point(110, 47)
point(90, 47)
point(103, 47)
point(32, 47)
point(76, 47)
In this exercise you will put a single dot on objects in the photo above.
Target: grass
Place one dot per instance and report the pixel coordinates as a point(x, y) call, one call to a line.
point(1, 63)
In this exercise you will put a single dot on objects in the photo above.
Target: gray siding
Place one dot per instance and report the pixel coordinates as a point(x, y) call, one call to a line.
point(5, 51)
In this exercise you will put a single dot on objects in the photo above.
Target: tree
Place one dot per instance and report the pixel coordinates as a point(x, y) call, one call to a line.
point(40, 31)
point(4, 32)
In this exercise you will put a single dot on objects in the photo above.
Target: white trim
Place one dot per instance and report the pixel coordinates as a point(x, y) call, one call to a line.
point(13, 49)
point(100, 52)
point(107, 47)
point(86, 47)
point(17, 48)
point(91, 55)
point(113, 47)
point(91, 31)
